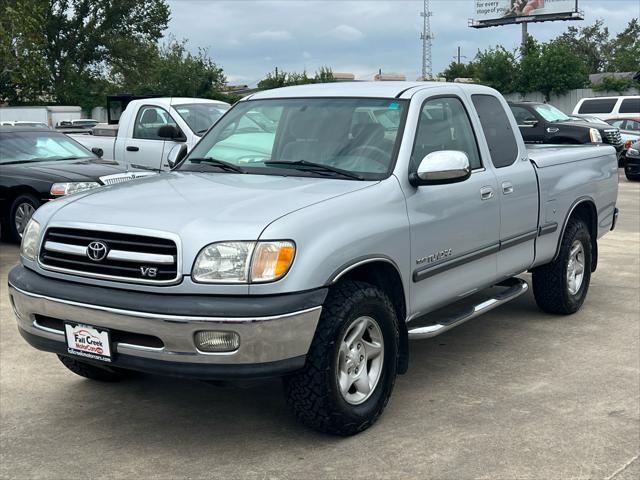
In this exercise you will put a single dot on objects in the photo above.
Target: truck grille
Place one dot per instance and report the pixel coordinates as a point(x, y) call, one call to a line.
point(613, 137)
point(123, 177)
point(111, 255)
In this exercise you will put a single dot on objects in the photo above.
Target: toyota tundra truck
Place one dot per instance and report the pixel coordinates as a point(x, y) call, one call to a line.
point(364, 216)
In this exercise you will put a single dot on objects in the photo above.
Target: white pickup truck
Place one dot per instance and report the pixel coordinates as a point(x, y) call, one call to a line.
point(150, 128)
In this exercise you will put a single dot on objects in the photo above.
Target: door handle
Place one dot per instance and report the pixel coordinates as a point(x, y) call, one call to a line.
point(486, 193)
point(131, 148)
point(507, 188)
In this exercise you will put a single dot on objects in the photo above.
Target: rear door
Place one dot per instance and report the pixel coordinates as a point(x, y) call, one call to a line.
point(517, 185)
point(454, 227)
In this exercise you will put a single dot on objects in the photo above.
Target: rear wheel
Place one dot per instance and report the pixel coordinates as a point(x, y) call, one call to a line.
point(561, 286)
point(632, 177)
point(20, 212)
point(351, 364)
point(93, 372)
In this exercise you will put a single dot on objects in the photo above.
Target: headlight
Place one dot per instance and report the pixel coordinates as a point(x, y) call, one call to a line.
point(67, 188)
point(30, 237)
point(243, 262)
point(595, 135)
point(632, 152)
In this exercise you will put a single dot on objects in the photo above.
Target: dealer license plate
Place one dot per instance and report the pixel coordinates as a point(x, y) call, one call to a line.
point(88, 342)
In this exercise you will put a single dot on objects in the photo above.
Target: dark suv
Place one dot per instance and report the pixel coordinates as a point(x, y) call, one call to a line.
point(544, 123)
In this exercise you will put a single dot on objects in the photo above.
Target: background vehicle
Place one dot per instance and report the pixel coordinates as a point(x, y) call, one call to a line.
point(150, 128)
point(50, 115)
point(609, 107)
point(631, 124)
point(544, 123)
point(7, 123)
point(317, 252)
point(37, 165)
point(632, 162)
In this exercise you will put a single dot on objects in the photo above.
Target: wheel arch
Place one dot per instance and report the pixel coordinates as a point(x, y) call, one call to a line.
point(382, 272)
point(585, 209)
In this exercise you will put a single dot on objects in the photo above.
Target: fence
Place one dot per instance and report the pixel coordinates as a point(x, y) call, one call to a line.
point(566, 101)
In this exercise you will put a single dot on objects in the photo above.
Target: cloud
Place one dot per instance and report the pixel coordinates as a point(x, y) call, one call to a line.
point(346, 33)
point(306, 55)
point(272, 35)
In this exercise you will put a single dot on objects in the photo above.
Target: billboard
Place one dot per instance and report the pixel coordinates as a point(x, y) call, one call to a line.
point(491, 13)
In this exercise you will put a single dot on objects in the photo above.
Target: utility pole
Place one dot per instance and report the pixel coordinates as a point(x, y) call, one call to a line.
point(459, 57)
point(524, 34)
point(426, 37)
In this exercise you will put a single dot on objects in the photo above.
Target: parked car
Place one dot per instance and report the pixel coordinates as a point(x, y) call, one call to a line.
point(9, 123)
point(609, 107)
point(630, 124)
point(149, 129)
point(632, 162)
point(38, 165)
point(317, 254)
point(544, 123)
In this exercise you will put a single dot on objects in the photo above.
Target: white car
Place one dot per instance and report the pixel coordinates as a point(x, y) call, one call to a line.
point(150, 128)
point(606, 108)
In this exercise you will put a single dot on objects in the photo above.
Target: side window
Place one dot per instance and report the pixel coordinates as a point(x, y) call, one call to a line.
point(598, 105)
point(149, 120)
point(616, 123)
point(497, 130)
point(630, 105)
point(522, 115)
point(444, 125)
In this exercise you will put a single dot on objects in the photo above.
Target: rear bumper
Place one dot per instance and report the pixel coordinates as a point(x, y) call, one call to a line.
point(153, 340)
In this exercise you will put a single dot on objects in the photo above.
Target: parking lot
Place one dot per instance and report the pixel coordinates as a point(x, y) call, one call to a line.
point(514, 394)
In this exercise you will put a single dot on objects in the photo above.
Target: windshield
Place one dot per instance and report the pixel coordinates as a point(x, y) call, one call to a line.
point(200, 116)
point(36, 146)
point(323, 136)
point(551, 113)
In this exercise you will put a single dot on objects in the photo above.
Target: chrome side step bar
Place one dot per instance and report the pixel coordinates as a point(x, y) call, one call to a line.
point(515, 288)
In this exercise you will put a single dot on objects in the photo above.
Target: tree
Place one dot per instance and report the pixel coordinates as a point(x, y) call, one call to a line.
point(497, 68)
point(530, 69)
point(589, 44)
point(280, 78)
point(558, 70)
point(458, 70)
point(625, 49)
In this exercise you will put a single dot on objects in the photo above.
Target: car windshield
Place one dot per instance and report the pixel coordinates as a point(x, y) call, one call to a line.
point(39, 146)
point(328, 137)
point(200, 116)
point(551, 113)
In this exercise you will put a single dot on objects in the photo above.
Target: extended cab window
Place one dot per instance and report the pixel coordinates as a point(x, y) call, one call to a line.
point(598, 105)
point(444, 125)
point(497, 130)
point(149, 120)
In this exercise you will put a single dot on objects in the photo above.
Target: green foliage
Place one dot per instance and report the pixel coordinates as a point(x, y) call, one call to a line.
point(625, 49)
point(279, 79)
point(615, 84)
point(496, 68)
point(458, 70)
point(589, 44)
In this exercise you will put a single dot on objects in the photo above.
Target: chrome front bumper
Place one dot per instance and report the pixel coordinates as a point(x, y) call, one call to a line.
point(263, 340)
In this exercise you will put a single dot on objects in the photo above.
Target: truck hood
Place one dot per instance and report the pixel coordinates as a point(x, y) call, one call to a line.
point(200, 207)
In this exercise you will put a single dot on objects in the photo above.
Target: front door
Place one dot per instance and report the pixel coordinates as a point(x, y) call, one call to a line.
point(455, 227)
point(145, 147)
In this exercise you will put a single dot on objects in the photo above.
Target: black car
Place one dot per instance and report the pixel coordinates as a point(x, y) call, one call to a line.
point(37, 165)
point(632, 163)
point(544, 123)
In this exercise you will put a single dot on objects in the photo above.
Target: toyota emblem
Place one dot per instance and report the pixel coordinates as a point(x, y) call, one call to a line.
point(97, 251)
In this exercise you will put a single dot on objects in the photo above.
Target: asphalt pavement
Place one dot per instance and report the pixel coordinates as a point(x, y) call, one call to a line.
point(515, 394)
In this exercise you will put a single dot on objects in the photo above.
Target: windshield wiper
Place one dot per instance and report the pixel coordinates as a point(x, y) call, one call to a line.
point(214, 162)
point(312, 166)
point(144, 167)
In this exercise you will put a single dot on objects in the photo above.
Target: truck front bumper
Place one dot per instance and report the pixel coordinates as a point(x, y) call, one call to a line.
point(155, 333)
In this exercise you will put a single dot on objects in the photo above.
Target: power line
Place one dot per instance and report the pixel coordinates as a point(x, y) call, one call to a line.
point(426, 36)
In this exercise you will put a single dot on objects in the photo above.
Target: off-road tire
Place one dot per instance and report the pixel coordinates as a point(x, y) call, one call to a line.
point(93, 372)
point(313, 393)
point(550, 286)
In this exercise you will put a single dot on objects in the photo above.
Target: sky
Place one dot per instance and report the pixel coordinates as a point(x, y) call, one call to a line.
point(249, 38)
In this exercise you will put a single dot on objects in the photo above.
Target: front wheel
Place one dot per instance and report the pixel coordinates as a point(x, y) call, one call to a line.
point(20, 213)
point(351, 364)
point(561, 286)
point(632, 177)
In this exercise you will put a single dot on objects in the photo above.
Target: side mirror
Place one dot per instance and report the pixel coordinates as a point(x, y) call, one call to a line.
point(171, 133)
point(529, 123)
point(98, 151)
point(440, 168)
point(177, 153)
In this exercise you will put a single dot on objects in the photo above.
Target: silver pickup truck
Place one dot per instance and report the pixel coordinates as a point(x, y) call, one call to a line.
point(362, 216)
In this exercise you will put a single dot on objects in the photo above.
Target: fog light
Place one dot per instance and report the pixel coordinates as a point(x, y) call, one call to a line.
point(212, 341)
